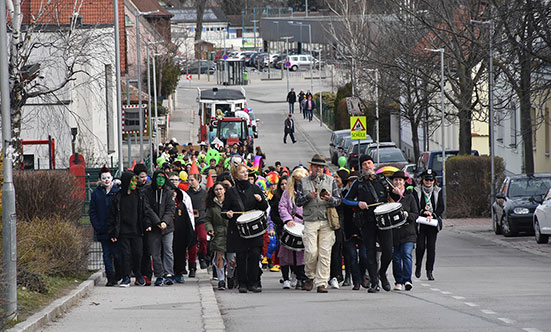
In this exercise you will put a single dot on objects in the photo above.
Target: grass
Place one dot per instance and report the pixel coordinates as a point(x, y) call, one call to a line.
point(30, 302)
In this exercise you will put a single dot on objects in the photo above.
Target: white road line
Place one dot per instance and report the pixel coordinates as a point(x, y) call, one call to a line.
point(470, 304)
point(530, 329)
point(435, 289)
point(507, 320)
point(426, 285)
point(488, 312)
point(458, 297)
point(446, 293)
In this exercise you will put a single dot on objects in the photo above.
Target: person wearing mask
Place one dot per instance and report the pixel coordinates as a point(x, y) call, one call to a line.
point(428, 196)
point(184, 232)
point(244, 197)
point(129, 217)
point(161, 199)
point(315, 193)
point(100, 203)
point(217, 226)
point(404, 237)
point(292, 99)
point(198, 196)
point(365, 194)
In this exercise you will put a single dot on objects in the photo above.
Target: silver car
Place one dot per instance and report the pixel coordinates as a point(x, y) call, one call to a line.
point(542, 219)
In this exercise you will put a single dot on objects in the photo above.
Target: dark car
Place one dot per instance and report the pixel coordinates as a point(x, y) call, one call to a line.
point(516, 202)
point(433, 160)
point(382, 145)
point(352, 154)
point(335, 138)
point(389, 156)
point(204, 65)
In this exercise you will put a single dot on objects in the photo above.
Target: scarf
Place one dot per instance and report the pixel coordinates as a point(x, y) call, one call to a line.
point(427, 191)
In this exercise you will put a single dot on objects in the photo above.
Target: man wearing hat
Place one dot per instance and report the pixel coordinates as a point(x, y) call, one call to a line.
point(289, 129)
point(315, 193)
point(366, 193)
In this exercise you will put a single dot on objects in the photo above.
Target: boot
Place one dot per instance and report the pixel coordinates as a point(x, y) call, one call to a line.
point(346, 281)
point(418, 271)
point(192, 269)
point(203, 261)
point(429, 275)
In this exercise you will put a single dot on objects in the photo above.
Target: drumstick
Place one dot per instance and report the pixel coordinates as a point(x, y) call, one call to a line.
point(237, 212)
point(393, 187)
point(374, 204)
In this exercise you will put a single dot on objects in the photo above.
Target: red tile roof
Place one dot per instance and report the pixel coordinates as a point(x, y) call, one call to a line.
point(151, 5)
point(92, 12)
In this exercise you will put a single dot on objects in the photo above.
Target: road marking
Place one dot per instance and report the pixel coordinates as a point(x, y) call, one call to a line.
point(426, 285)
point(435, 289)
point(470, 304)
point(458, 297)
point(530, 329)
point(446, 293)
point(488, 312)
point(506, 320)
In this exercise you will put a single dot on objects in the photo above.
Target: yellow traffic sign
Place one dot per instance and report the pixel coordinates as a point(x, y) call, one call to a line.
point(358, 127)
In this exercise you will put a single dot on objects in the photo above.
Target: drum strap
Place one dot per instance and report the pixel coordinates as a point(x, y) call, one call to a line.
point(239, 201)
point(373, 192)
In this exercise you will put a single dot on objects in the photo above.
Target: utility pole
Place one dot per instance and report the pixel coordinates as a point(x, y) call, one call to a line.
point(9, 234)
point(118, 83)
point(285, 64)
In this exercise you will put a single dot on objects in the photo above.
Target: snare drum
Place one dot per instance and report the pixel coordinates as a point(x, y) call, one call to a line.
point(252, 224)
point(291, 237)
point(389, 215)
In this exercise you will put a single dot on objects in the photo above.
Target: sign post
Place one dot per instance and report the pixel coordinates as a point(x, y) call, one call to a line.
point(358, 130)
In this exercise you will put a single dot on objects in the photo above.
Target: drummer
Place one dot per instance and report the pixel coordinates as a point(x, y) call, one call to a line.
point(244, 197)
point(404, 237)
point(291, 214)
point(366, 193)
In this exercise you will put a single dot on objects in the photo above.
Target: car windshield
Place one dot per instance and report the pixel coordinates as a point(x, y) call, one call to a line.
point(388, 155)
point(229, 129)
point(362, 142)
point(529, 186)
point(437, 160)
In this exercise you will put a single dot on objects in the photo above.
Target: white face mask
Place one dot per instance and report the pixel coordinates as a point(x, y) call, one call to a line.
point(106, 179)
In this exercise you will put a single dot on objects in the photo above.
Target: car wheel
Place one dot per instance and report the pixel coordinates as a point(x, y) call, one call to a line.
point(507, 229)
point(496, 226)
point(294, 68)
point(540, 238)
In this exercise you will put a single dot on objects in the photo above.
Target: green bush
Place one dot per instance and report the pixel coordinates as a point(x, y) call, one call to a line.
point(52, 246)
point(46, 195)
point(468, 180)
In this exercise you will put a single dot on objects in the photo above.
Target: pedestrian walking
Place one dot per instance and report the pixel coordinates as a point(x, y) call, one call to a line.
point(301, 97)
point(292, 99)
point(315, 193)
point(100, 203)
point(428, 196)
point(198, 195)
point(309, 107)
point(140, 170)
point(289, 129)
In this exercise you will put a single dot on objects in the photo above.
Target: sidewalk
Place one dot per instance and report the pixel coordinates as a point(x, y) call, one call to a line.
point(190, 307)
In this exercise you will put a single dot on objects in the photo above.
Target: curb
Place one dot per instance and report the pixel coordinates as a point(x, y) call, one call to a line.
point(58, 307)
point(210, 312)
point(268, 101)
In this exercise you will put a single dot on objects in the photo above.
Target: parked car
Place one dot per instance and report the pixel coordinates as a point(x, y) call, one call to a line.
point(342, 146)
point(301, 61)
point(433, 160)
point(390, 156)
point(542, 219)
point(193, 67)
point(382, 145)
point(352, 154)
point(335, 138)
point(516, 202)
point(410, 169)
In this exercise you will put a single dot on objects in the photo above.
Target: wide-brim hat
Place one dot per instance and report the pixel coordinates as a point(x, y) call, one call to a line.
point(399, 174)
point(353, 175)
point(318, 159)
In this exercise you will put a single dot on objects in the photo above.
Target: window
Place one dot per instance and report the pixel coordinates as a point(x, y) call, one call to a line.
point(127, 21)
point(498, 116)
point(547, 128)
point(303, 58)
point(513, 125)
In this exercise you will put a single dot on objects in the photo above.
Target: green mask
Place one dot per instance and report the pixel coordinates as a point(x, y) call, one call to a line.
point(160, 181)
point(133, 183)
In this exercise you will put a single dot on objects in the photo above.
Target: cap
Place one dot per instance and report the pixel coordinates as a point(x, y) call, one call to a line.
point(428, 175)
point(365, 157)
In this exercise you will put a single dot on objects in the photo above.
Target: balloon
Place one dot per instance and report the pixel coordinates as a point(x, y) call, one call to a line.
point(183, 176)
point(342, 161)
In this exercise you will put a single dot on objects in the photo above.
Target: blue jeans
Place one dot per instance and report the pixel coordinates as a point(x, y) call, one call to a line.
point(291, 108)
point(402, 262)
point(111, 254)
point(358, 259)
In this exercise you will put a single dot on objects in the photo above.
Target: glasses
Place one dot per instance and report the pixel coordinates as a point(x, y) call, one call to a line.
point(428, 180)
point(175, 180)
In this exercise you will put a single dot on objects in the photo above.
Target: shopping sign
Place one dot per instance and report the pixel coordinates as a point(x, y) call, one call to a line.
point(358, 127)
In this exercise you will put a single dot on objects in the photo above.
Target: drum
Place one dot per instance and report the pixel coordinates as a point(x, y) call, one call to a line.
point(291, 237)
point(389, 215)
point(252, 224)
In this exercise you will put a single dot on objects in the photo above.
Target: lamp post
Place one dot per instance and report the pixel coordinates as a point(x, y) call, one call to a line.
point(376, 70)
point(118, 82)
point(490, 24)
point(9, 235)
point(155, 98)
point(310, 51)
point(139, 75)
point(287, 43)
point(321, 93)
point(254, 31)
point(149, 104)
point(441, 51)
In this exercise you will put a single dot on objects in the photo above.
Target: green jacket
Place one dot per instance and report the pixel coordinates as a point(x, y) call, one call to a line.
point(215, 222)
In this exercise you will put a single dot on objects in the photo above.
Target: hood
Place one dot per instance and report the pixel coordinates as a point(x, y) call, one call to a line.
point(125, 181)
point(154, 179)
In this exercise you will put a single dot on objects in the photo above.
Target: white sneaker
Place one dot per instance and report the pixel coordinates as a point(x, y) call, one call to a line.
point(334, 283)
point(398, 287)
point(408, 285)
point(286, 284)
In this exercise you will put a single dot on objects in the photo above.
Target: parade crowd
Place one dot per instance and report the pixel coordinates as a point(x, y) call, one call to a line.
point(227, 210)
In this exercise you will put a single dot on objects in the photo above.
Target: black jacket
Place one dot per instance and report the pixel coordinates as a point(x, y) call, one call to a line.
point(119, 229)
point(406, 232)
point(289, 127)
point(438, 205)
point(161, 201)
point(360, 191)
point(291, 97)
point(245, 191)
point(100, 204)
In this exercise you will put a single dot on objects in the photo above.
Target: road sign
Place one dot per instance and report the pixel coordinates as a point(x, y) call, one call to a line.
point(188, 77)
point(288, 64)
point(358, 127)
point(225, 57)
point(354, 106)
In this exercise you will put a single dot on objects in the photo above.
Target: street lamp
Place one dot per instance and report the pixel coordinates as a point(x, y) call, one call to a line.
point(441, 51)
point(490, 24)
point(118, 82)
point(149, 104)
point(310, 51)
point(287, 43)
point(139, 75)
point(376, 70)
point(155, 98)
